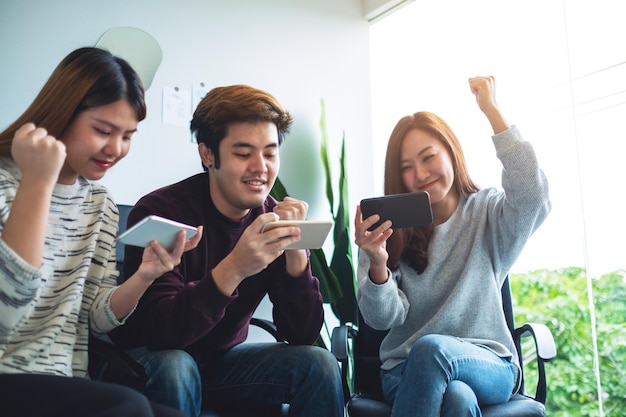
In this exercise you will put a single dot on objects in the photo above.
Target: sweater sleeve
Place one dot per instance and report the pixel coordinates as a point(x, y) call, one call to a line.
point(383, 306)
point(19, 283)
point(101, 316)
point(525, 203)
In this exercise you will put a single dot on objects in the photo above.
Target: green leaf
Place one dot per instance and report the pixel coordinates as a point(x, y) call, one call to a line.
point(341, 262)
point(325, 161)
point(278, 191)
point(329, 284)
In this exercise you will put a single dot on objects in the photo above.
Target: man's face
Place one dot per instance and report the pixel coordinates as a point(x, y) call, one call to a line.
point(249, 164)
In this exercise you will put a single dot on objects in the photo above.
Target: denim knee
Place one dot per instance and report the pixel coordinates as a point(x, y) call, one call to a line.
point(459, 400)
point(320, 362)
point(427, 347)
point(430, 343)
point(171, 364)
point(173, 378)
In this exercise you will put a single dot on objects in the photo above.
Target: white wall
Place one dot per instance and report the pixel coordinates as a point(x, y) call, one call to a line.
point(301, 51)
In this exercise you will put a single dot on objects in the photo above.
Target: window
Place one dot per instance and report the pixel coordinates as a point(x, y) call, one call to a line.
point(560, 69)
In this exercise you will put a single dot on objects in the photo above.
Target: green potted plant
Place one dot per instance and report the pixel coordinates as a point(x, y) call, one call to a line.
point(337, 278)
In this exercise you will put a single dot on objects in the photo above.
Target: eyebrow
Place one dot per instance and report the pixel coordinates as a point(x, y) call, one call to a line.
point(247, 145)
point(113, 126)
point(419, 153)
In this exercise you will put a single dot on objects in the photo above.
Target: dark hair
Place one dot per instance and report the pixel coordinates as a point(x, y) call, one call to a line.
point(236, 103)
point(86, 78)
point(412, 244)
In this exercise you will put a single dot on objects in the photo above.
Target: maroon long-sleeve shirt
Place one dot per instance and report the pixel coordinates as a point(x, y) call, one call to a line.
point(184, 309)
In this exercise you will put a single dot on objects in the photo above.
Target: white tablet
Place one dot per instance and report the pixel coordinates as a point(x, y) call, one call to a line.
point(313, 233)
point(155, 228)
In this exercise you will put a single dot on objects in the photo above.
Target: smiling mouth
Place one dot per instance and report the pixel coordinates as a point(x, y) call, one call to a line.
point(425, 186)
point(104, 164)
point(256, 182)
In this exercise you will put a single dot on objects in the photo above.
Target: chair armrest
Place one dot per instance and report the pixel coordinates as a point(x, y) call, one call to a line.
point(340, 341)
point(268, 326)
point(544, 341)
point(340, 348)
point(545, 348)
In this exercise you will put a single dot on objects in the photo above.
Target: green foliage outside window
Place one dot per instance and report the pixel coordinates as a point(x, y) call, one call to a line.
point(559, 299)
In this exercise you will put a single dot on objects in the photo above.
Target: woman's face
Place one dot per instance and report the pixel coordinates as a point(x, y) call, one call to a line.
point(96, 140)
point(425, 165)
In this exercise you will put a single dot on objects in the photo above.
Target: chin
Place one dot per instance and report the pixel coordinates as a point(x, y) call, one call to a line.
point(94, 176)
point(252, 202)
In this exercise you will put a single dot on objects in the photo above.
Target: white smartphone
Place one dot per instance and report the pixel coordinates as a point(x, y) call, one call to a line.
point(313, 233)
point(155, 228)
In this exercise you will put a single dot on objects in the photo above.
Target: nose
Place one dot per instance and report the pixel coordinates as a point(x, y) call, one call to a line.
point(421, 173)
point(258, 163)
point(114, 146)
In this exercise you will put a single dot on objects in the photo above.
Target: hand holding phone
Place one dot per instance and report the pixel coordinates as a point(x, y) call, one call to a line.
point(404, 210)
point(156, 228)
point(312, 232)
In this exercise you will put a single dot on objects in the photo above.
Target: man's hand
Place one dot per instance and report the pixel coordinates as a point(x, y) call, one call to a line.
point(254, 251)
point(291, 209)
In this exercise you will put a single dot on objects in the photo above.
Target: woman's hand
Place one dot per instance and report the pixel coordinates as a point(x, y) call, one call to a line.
point(156, 260)
point(374, 243)
point(39, 156)
point(484, 88)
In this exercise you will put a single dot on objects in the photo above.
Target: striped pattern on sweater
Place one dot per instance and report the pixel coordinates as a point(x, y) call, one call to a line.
point(46, 313)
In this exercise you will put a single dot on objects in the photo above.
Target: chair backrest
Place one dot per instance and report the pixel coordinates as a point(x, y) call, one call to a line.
point(119, 254)
point(367, 343)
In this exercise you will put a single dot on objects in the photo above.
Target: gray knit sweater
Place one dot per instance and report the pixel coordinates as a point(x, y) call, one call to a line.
point(469, 257)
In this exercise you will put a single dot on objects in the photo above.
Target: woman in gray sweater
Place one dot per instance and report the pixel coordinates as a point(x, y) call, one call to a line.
point(437, 288)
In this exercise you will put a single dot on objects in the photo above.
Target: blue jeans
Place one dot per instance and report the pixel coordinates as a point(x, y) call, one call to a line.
point(445, 376)
point(305, 377)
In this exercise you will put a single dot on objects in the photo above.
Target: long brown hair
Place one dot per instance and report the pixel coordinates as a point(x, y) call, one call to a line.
point(86, 78)
point(412, 244)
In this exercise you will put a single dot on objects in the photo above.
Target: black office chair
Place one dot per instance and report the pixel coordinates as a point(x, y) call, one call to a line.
point(109, 363)
point(368, 400)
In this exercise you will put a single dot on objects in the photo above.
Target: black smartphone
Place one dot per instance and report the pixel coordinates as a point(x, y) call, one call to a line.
point(404, 210)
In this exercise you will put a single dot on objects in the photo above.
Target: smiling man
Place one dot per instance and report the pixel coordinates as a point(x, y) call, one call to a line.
point(189, 328)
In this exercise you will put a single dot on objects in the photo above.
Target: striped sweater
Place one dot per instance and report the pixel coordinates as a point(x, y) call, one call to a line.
point(46, 313)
